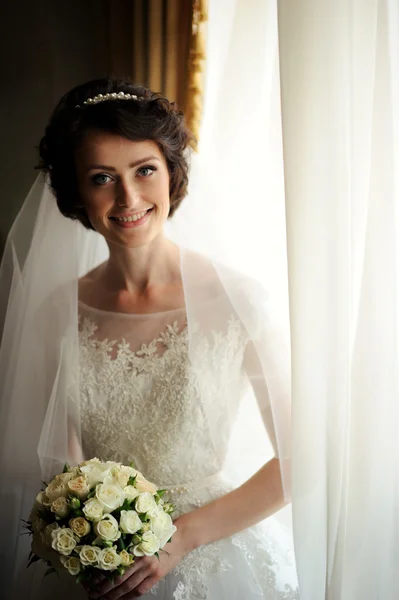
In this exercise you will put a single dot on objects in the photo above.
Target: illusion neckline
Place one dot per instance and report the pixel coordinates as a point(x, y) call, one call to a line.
point(136, 315)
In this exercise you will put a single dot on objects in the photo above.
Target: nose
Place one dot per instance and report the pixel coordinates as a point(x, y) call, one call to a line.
point(127, 195)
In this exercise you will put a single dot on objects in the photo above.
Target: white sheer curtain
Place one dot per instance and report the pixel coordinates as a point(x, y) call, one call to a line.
point(339, 108)
point(235, 208)
point(339, 66)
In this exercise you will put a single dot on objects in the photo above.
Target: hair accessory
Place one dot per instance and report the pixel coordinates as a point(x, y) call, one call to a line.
point(111, 96)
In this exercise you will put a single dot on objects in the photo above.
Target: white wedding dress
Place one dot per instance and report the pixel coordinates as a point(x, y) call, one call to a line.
point(141, 403)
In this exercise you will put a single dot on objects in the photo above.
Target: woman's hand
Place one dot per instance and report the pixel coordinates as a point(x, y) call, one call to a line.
point(146, 571)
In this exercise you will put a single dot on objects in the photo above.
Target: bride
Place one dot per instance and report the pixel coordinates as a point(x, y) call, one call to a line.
point(146, 356)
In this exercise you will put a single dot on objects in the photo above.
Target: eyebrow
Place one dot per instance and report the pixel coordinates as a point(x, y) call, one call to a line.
point(131, 166)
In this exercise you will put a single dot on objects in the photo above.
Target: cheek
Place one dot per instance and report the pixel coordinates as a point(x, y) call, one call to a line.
point(97, 204)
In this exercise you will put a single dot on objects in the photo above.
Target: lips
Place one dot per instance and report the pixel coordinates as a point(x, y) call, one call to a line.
point(131, 217)
point(129, 222)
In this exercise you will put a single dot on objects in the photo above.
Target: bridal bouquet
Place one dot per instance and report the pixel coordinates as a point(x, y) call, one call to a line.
point(98, 516)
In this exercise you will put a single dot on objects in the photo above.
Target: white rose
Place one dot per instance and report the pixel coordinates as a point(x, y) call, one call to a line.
point(79, 487)
point(111, 495)
point(47, 534)
point(108, 528)
point(124, 474)
point(56, 489)
point(80, 526)
point(154, 511)
point(72, 563)
point(145, 503)
point(131, 471)
point(88, 555)
point(95, 471)
point(93, 509)
point(126, 558)
point(111, 464)
point(91, 461)
point(119, 475)
point(130, 522)
point(109, 559)
point(148, 546)
point(130, 492)
point(162, 526)
point(63, 541)
point(64, 477)
point(42, 500)
point(143, 485)
point(60, 507)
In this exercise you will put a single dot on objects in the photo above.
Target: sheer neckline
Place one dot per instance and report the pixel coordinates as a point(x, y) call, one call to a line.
point(134, 315)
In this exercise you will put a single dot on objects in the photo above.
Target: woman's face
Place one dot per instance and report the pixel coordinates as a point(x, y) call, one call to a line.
point(124, 186)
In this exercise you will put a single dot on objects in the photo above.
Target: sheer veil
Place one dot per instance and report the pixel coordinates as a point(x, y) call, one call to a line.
point(39, 361)
point(231, 235)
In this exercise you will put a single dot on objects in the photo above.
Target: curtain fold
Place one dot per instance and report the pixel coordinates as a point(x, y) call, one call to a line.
point(197, 55)
point(339, 89)
point(150, 41)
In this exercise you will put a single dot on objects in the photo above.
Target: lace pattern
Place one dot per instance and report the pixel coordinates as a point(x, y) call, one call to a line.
point(271, 572)
point(148, 406)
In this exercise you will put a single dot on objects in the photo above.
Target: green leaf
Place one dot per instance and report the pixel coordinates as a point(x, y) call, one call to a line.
point(66, 468)
point(132, 480)
point(127, 505)
point(82, 576)
point(92, 493)
point(74, 503)
point(131, 464)
point(160, 493)
point(33, 559)
point(46, 515)
point(143, 517)
point(121, 544)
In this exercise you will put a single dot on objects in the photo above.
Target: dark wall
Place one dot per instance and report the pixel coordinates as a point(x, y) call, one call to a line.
point(46, 47)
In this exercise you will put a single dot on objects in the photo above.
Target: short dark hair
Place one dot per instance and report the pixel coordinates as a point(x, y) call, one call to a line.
point(152, 117)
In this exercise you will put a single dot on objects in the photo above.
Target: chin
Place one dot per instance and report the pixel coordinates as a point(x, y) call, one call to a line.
point(129, 241)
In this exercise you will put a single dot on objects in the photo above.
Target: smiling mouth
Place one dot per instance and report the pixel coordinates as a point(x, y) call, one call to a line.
point(132, 218)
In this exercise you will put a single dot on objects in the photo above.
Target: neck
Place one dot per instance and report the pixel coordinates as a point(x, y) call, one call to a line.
point(136, 270)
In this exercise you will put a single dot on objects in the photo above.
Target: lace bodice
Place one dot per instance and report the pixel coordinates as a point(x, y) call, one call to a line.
point(142, 402)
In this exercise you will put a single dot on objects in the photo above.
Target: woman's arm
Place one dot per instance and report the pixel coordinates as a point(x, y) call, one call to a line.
point(75, 452)
point(258, 498)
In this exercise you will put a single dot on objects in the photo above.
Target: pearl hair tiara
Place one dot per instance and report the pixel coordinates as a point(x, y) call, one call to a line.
point(111, 96)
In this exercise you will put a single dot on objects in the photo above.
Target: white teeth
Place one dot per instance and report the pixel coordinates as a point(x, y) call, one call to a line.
point(131, 218)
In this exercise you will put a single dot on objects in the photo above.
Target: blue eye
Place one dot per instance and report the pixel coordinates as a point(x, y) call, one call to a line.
point(101, 179)
point(146, 171)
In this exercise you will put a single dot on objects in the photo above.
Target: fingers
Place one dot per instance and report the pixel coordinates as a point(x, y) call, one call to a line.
point(137, 572)
point(144, 587)
point(127, 589)
point(100, 585)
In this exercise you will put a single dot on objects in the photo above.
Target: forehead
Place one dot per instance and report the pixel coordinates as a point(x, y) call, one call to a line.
point(100, 147)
